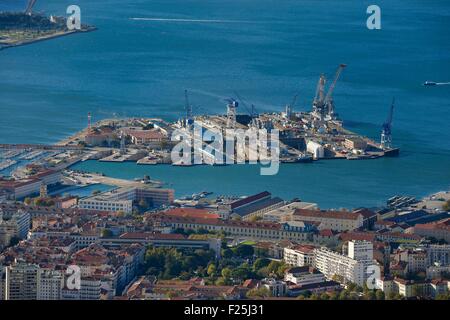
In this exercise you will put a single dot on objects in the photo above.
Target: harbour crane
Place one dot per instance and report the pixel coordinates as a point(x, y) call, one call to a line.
point(30, 6)
point(188, 108)
point(328, 101)
point(386, 132)
point(294, 100)
point(231, 112)
point(318, 103)
point(290, 107)
point(251, 111)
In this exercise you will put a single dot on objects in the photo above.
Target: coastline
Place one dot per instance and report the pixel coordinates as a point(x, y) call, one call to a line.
point(48, 37)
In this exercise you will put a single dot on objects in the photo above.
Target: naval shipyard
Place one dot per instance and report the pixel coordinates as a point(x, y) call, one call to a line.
point(304, 136)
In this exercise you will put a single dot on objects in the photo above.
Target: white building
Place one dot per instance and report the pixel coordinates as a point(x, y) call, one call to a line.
point(93, 203)
point(386, 285)
point(360, 250)
point(285, 212)
point(122, 199)
point(436, 272)
point(2, 282)
point(50, 285)
point(316, 149)
point(21, 282)
point(90, 289)
point(299, 256)
point(439, 254)
point(350, 268)
point(276, 287)
point(330, 219)
point(303, 276)
point(15, 224)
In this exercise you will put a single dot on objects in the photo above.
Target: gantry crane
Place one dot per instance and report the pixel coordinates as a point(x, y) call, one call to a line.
point(318, 103)
point(328, 101)
point(30, 6)
point(188, 108)
point(386, 132)
point(323, 105)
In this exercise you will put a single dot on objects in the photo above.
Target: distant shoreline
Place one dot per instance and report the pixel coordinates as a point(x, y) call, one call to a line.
point(47, 37)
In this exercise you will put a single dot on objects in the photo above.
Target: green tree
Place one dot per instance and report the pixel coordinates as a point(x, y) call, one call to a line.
point(226, 273)
point(241, 273)
point(338, 278)
point(261, 252)
point(211, 270)
point(324, 296)
point(261, 292)
point(334, 296)
point(351, 286)
point(443, 296)
point(221, 281)
point(227, 253)
point(370, 295)
point(244, 251)
point(260, 263)
point(344, 295)
point(379, 295)
point(106, 233)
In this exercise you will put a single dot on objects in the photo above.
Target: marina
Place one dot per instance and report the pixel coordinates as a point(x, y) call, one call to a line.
point(6, 164)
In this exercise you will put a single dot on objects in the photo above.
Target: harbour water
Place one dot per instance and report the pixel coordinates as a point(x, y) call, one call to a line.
point(265, 50)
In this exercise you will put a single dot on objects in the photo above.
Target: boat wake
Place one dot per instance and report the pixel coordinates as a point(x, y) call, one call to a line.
point(190, 20)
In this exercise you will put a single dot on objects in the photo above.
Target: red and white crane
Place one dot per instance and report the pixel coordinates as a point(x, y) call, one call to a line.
point(30, 6)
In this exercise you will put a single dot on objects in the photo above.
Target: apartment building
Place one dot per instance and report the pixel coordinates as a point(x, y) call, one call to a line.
point(345, 268)
point(385, 284)
point(2, 282)
point(50, 285)
point(438, 254)
point(416, 260)
point(21, 281)
point(13, 224)
point(299, 256)
point(90, 289)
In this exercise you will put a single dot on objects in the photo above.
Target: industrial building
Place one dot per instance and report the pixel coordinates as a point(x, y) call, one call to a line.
point(122, 199)
point(334, 220)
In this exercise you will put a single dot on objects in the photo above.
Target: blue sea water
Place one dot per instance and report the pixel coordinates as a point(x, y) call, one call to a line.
point(80, 191)
point(267, 51)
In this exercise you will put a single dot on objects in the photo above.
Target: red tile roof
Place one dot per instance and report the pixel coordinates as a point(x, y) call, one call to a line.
point(327, 214)
point(150, 235)
point(191, 212)
point(208, 221)
point(348, 236)
point(145, 134)
point(440, 225)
